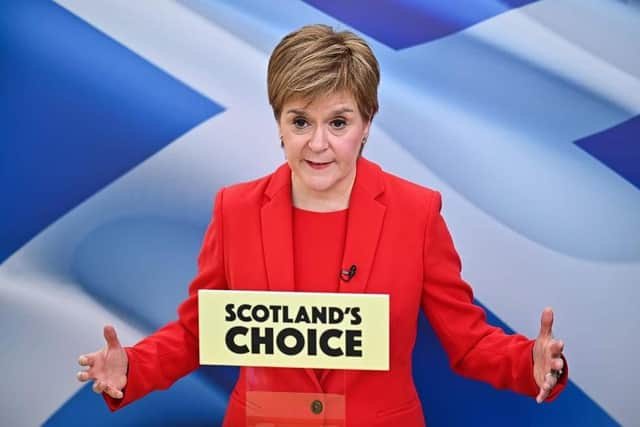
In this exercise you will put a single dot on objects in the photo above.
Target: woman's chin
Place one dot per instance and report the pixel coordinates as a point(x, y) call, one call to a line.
point(319, 186)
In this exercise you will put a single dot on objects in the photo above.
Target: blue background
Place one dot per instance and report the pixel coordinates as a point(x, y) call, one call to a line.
point(548, 159)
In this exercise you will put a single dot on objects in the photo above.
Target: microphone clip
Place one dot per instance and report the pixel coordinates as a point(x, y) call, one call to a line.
point(347, 275)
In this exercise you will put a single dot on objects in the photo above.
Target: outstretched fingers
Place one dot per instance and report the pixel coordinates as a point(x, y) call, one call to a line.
point(550, 381)
point(83, 376)
point(113, 392)
point(554, 365)
point(111, 337)
point(103, 367)
point(98, 386)
point(548, 362)
point(556, 348)
point(87, 360)
point(546, 322)
point(558, 365)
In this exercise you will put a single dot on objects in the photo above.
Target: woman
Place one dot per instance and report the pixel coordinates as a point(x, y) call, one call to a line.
point(325, 209)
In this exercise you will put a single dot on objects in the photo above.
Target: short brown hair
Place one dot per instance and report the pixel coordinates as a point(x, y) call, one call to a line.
point(316, 60)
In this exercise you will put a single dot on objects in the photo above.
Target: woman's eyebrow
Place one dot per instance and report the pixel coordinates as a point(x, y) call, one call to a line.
point(296, 111)
point(341, 111)
point(333, 113)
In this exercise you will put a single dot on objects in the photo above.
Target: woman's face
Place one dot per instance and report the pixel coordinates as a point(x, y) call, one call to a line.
point(322, 140)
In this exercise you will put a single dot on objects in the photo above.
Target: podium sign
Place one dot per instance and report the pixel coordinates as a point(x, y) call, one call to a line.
point(294, 329)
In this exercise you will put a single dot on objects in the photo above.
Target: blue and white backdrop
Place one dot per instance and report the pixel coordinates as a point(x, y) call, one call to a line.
point(120, 120)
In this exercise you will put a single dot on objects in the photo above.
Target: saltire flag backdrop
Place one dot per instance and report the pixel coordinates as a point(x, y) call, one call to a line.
point(121, 119)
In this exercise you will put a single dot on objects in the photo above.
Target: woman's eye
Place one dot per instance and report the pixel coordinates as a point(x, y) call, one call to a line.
point(339, 123)
point(300, 123)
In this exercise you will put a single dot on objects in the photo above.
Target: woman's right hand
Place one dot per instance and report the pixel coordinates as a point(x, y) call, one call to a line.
point(107, 367)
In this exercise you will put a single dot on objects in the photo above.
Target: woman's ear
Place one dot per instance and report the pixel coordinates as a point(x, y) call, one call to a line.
point(279, 131)
point(367, 127)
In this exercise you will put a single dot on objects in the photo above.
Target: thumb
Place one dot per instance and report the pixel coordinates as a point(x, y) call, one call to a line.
point(111, 337)
point(546, 322)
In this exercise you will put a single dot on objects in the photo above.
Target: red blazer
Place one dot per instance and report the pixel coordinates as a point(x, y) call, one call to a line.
point(401, 246)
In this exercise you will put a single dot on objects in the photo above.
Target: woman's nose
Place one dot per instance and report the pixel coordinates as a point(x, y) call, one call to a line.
point(318, 141)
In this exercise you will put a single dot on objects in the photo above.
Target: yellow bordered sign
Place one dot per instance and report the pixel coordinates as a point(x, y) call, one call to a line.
point(294, 329)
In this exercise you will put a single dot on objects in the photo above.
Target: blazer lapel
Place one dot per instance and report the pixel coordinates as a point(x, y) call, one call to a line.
point(277, 234)
point(366, 216)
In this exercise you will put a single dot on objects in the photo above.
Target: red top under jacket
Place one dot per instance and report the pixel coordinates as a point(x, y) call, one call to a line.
point(318, 246)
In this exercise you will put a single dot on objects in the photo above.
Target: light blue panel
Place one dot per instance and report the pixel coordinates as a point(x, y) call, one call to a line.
point(130, 261)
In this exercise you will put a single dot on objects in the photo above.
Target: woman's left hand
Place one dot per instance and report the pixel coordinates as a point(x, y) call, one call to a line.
point(547, 357)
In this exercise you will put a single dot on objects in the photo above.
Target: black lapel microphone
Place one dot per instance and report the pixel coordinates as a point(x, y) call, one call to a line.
point(347, 275)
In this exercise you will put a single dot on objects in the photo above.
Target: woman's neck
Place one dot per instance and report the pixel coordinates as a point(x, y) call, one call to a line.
point(321, 201)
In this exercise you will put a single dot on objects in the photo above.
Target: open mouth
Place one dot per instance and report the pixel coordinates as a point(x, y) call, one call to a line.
point(318, 165)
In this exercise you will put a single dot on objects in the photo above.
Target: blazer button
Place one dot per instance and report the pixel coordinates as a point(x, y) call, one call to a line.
point(316, 406)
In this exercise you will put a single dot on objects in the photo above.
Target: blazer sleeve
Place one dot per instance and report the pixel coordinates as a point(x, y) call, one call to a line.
point(162, 358)
point(475, 349)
